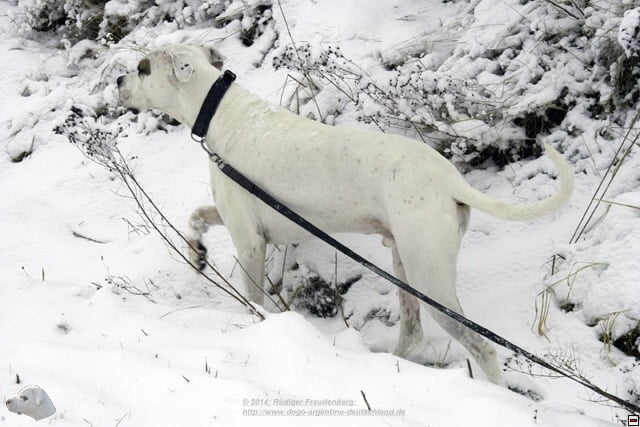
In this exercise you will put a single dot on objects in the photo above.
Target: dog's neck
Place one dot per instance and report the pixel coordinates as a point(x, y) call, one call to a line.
point(189, 100)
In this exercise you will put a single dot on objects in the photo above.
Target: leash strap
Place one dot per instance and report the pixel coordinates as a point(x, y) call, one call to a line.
point(282, 209)
point(211, 103)
point(218, 89)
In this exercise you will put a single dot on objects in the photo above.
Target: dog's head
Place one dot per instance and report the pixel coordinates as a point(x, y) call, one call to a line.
point(31, 401)
point(161, 73)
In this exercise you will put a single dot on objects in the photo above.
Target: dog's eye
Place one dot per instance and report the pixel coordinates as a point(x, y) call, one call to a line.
point(144, 67)
point(25, 398)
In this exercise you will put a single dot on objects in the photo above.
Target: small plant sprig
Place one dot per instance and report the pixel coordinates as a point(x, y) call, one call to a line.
point(564, 359)
point(413, 98)
point(545, 296)
point(100, 146)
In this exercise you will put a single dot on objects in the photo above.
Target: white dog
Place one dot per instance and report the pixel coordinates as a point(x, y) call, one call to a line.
point(32, 401)
point(340, 179)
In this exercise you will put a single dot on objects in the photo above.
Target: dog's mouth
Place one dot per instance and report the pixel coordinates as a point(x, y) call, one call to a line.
point(124, 96)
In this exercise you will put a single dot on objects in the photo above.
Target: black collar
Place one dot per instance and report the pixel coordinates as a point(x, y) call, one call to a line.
point(210, 104)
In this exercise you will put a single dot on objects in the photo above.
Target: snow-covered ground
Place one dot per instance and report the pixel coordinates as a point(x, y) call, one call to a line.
point(75, 256)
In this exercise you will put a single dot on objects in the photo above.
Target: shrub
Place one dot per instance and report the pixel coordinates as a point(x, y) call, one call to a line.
point(110, 21)
point(473, 102)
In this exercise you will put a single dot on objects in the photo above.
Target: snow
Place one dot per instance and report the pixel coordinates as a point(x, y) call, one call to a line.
point(628, 32)
point(75, 255)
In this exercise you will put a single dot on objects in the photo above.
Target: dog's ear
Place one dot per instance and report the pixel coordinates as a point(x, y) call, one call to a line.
point(37, 396)
point(182, 67)
point(215, 58)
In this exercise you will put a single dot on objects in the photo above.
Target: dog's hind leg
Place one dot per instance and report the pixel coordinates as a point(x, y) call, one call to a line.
point(428, 249)
point(411, 334)
point(201, 219)
point(483, 353)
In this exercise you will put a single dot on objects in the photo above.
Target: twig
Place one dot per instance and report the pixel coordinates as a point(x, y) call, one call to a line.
point(253, 282)
point(180, 309)
point(305, 72)
point(121, 419)
point(235, 294)
point(101, 147)
point(564, 9)
point(364, 396)
point(340, 299)
point(586, 216)
point(619, 204)
point(81, 236)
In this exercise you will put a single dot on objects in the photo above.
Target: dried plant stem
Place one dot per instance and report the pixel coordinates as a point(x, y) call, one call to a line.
point(100, 147)
point(132, 185)
point(307, 76)
point(611, 172)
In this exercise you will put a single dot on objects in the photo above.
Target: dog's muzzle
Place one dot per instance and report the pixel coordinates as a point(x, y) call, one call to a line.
point(120, 83)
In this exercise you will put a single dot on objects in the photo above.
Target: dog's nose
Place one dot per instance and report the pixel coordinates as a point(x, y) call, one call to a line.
point(119, 80)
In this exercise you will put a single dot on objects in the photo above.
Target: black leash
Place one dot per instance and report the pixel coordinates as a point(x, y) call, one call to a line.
point(273, 203)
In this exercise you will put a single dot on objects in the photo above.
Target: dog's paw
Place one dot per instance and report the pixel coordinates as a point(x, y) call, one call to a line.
point(424, 353)
point(520, 384)
point(198, 254)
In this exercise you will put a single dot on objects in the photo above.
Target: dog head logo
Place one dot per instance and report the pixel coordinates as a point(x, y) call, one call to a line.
point(32, 401)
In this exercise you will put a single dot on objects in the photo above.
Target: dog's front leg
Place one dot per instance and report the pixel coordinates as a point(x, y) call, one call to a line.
point(251, 255)
point(201, 219)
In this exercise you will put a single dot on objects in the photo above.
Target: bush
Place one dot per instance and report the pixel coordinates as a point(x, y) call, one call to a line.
point(475, 103)
point(318, 297)
point(73, 19)
point(110, 21)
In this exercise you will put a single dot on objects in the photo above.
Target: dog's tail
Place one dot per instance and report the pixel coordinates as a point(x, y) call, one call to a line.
point(472, 197)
